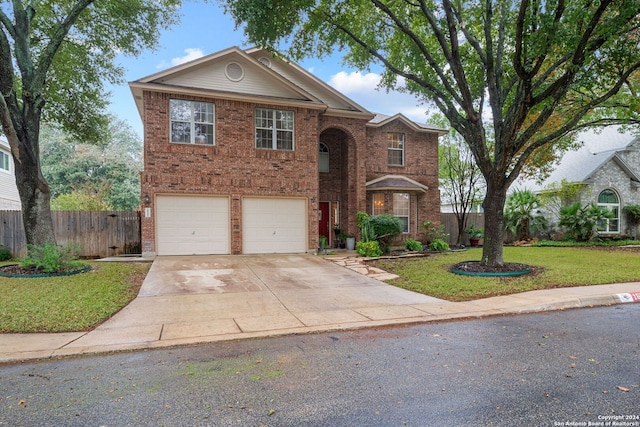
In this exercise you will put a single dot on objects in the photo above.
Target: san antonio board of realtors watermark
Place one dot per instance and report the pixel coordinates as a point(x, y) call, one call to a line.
point(603, 421)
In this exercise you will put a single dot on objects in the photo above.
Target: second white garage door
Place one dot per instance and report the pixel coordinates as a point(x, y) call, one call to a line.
point(190, 225)
point(274, 225)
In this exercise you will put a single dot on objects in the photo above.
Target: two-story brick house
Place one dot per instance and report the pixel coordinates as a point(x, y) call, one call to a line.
point(247, 153)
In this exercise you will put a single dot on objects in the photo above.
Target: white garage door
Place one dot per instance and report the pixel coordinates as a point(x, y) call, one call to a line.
point(274, 226)
point(190, 225)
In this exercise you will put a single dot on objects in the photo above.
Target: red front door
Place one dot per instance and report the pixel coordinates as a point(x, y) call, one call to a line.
point(323, 225)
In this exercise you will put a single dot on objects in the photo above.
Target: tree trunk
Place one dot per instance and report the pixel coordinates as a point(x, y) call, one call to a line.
point(34, 193)
point(493, 204)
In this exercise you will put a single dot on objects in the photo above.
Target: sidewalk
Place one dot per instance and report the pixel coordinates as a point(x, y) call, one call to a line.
point(267, 297)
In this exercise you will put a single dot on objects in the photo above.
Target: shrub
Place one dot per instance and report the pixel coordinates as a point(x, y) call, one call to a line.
point(581, 222)
point(364, 225)
point(438, 245)
point(52, 258)
point(412, 245)
point(385, 228)
point(5, 253)
point(369, 249)
point(433, 232)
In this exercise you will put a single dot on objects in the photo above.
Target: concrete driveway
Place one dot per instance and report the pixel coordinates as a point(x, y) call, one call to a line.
point(196, 299)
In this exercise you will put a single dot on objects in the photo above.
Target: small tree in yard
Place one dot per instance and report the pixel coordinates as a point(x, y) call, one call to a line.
point(515, 78)
point(461, 182)
point(633, 217)
point(54, 58)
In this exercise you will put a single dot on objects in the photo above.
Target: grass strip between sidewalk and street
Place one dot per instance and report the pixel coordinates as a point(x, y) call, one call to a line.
point(68, 303)
point(557, 267)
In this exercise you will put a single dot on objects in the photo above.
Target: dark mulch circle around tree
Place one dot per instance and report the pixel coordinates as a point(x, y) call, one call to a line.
point(16, 270)
point(475, 268)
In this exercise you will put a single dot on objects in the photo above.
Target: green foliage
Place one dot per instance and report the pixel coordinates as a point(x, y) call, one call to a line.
point(5, 253)
point(78, 201)
point(364, 225)
point(412, 245)
point(581, 222)
point(433, 232)
point(633, 214)
point(52, 258)
point(108, 171)
point(385, 227)
point(322, 241)
point(369, 249)
point(559, 195)
point(438, 245)
point(474, 232)
point(522, 213)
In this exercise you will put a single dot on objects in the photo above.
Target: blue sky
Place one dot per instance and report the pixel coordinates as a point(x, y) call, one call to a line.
point(205, 29)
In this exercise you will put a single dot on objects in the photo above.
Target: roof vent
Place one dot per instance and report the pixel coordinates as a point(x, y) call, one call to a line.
point(265, 61)
point(234, 71)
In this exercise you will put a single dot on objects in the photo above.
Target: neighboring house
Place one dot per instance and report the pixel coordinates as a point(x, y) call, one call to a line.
point(247, 153)
point(9, 197)
point(608, 166)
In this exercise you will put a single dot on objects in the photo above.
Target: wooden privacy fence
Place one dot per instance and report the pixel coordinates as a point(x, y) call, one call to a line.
point(451, 225)
point(100, 233)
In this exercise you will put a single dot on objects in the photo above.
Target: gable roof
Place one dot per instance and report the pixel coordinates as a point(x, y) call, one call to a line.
point(580, 165)
point(258, 76)
point(382, 119)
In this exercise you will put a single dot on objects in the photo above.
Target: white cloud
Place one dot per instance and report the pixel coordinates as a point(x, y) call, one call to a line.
point(354, 82)
point(363, 89)
point(191, 53)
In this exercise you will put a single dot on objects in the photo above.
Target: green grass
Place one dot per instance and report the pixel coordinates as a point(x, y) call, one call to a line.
point(561, 267)
point(68, 303)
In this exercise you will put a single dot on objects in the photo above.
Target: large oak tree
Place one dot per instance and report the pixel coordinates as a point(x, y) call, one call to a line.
point(55, 56)
point(528, 72)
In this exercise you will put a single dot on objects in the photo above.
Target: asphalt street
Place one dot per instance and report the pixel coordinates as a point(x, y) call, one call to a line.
point(563, 368)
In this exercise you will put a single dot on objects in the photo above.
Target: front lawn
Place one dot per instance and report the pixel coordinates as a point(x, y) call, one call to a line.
point(561, 267)
point(68, 303)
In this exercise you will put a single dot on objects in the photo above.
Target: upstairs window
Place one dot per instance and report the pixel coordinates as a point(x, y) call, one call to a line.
point(4, 161)
point(192, 122)
point(274, 129)
point(609, 200)
point(395, 149)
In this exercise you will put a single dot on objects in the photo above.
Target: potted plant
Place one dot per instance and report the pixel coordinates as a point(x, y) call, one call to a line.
point(323, 243)
point(351, 241)
point(341, 241)
point(475, 234)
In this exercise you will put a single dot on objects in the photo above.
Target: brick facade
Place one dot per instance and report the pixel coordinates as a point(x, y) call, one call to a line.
point(233, 168)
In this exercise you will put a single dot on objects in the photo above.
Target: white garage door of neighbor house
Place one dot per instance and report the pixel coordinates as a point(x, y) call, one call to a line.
point(274, 226)
point(190, 225)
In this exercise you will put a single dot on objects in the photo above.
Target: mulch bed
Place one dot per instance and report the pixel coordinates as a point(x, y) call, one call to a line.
point(477, 267)
point(18, 270)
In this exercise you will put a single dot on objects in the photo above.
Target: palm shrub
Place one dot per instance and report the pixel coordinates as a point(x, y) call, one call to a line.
point(581, 222)
point(522, 213)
